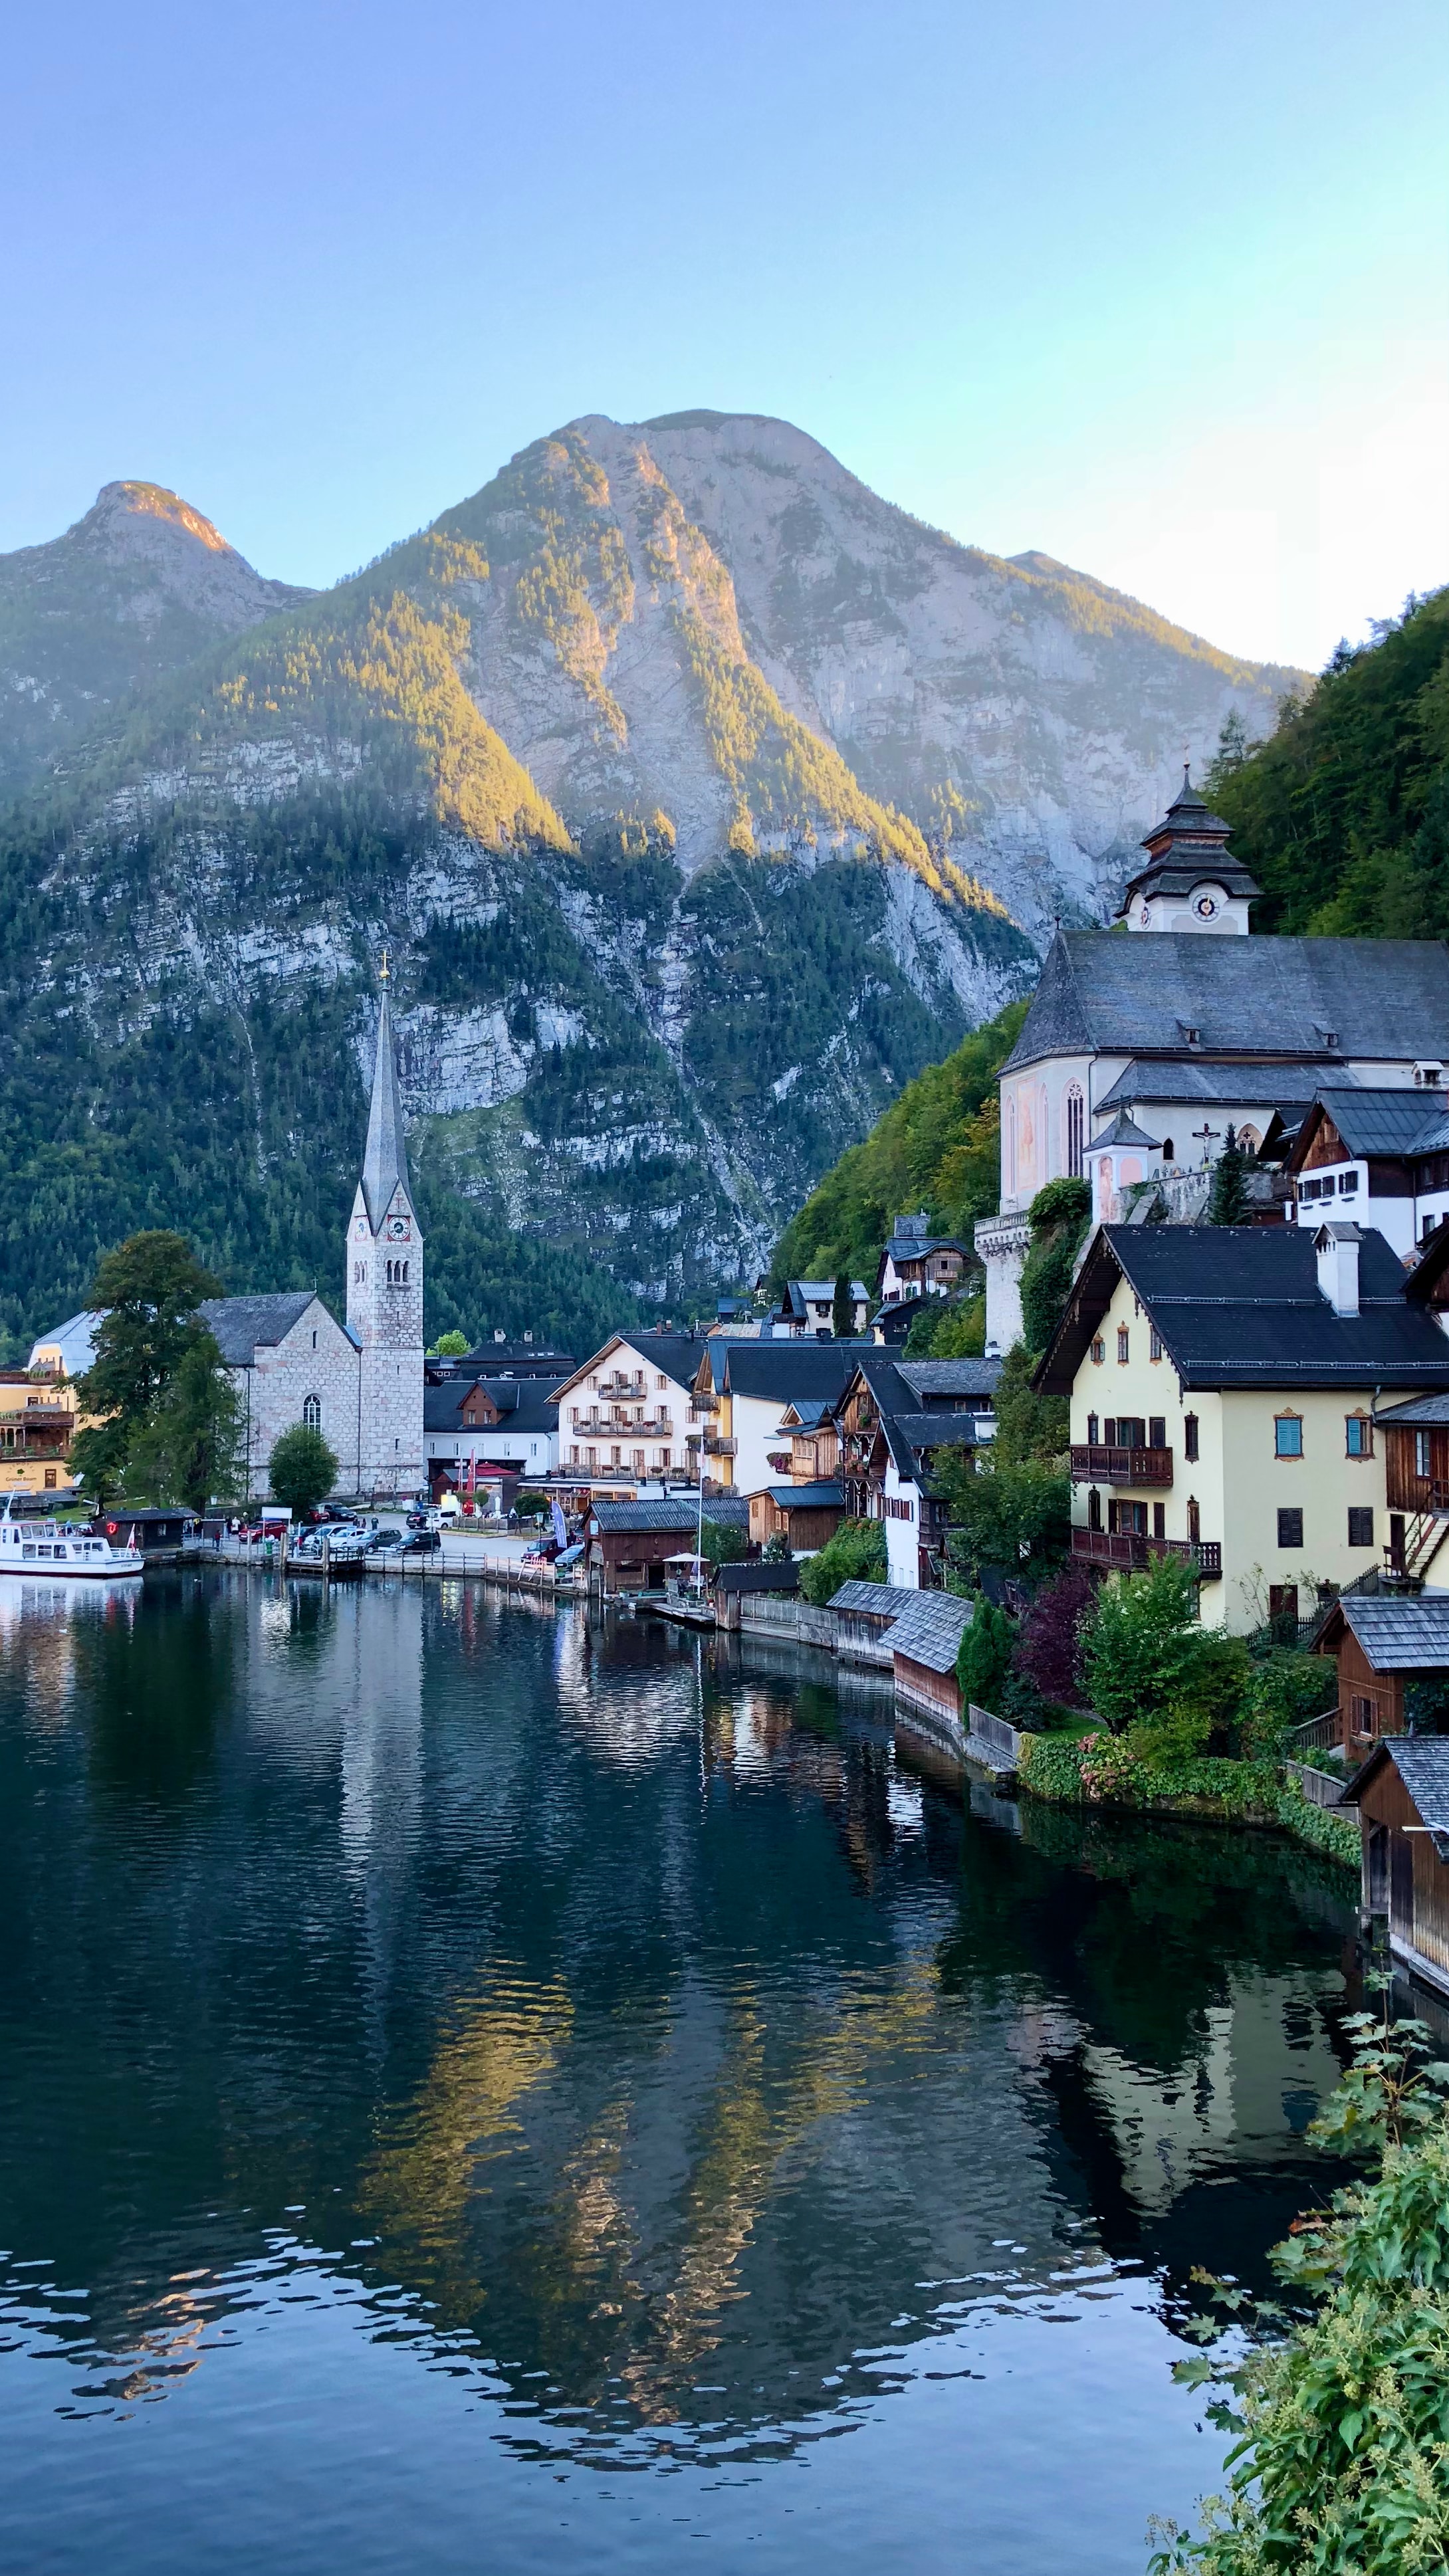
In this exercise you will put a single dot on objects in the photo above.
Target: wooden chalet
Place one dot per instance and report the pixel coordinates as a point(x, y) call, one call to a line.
point(805, 1516)
point(1384, 1644)
point(1402, 1798)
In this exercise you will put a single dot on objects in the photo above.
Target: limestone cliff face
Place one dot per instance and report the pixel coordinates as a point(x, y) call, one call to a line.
point(709, 614)
point(701, 796)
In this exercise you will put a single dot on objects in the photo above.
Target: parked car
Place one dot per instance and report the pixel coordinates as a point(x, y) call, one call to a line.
point(388, 1542)
point(420, 1540)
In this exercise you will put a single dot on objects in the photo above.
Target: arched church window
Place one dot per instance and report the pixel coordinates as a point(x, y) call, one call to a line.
point(1076, 1130)
point(312, 1412)
point(1167, 1152)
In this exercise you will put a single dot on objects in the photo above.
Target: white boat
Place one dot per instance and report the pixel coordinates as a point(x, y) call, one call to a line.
point(42, 1548)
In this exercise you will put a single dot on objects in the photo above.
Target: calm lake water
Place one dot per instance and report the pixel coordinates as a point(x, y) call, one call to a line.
point(480, 2090)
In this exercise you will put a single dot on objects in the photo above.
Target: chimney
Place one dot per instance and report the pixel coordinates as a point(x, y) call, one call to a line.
point(1337, 1250)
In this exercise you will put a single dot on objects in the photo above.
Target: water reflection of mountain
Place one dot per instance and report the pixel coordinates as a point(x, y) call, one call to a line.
point(612, 2005)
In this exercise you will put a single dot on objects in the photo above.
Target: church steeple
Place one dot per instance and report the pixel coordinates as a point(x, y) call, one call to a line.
point(385, 1286)
point(1192, 880)
point(385, 1163)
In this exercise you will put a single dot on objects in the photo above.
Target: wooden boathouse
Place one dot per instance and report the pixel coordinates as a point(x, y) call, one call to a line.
point(1402, 1797)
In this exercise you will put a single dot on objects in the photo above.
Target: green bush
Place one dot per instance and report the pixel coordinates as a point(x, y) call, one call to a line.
point(1283, 1691)
point(983, 1658)
point(1341, 2465)
point(721, 1544)
point(856, 1554)
point(1142, 1650)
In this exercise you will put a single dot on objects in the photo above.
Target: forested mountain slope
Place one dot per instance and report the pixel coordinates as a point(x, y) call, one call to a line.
point(701, 797)
point(1343, 815)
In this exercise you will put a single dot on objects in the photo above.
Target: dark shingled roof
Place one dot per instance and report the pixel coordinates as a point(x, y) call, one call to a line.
point(240, 1324)
point(884, 1601)
point(1240, 1306)
point(1106, 993)
point(617, 1518)
point(930, 1631)
point(1386, 1121)
point(728, 1511)
point(1400, 1632)
point(928, 1379)
point(782, 1371)
point(1230, 1086)
point(1420, 1408)
point(441, 1404)
point(817, 1497)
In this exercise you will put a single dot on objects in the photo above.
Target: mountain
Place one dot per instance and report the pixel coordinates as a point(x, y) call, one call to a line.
point(136, 589)
point(702, 798)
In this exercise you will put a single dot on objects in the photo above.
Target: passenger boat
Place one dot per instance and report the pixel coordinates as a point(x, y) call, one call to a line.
point(41, 1547)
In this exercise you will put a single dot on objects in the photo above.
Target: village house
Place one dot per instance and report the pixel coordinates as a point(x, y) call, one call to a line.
point(925, 1642)
point(807, 1309)
point(1402, 1797)
point(805, 1516)
point(1379, 1156)
point(1223, 1385)
point(740, 1392)
point(892, 1420)
point(1391, 1650)
point(500, 1428)
point(39, 1418)
point(1182, 1034)
point(624, 1416)
point(628, 1543)
point(917, 1263)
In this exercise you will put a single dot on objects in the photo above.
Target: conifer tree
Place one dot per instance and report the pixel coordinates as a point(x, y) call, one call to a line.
point(1228, 1204)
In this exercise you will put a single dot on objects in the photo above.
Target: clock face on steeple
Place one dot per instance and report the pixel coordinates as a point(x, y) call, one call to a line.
point(398, 1229)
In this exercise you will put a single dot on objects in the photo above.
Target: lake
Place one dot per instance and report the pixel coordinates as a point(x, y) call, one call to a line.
point(482, 2087)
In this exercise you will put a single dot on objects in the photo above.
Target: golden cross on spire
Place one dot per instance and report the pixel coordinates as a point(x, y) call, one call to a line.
point(382, 970)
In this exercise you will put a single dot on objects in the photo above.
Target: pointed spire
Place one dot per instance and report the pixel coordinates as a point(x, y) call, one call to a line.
point(386, 1160)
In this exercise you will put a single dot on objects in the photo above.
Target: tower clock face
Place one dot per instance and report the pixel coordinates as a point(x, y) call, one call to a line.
point(1206, 907)
point(398, 1229)
point(1146, 916)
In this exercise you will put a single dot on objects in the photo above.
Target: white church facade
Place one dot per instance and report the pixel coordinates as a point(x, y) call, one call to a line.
point(360, 1383)
point(1140, 1051)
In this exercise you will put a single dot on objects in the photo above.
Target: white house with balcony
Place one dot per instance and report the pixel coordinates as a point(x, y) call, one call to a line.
point(624, 1417)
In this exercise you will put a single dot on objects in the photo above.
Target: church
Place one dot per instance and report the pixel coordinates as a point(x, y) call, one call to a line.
point(359, 1384)
point(1146, 1042)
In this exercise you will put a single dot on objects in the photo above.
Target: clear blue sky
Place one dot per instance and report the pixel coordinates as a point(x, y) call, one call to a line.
point(1156, 287)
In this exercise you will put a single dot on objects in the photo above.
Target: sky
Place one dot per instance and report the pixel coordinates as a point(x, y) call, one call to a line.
point(1161, 290)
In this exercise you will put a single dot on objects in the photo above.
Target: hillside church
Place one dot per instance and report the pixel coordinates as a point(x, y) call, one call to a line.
point(359, 1384)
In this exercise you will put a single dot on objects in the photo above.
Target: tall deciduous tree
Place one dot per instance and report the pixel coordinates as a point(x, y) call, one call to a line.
point(148, 1290)
point(188, 1450)
point(302, 1469)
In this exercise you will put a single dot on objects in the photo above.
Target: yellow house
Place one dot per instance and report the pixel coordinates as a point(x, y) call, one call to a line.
point(1222, 1384)
point(38, 1421)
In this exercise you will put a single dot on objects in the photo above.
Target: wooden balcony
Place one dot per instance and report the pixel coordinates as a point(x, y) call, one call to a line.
point(717, 1446)
point(1095, 1464)
point(1128, 1551)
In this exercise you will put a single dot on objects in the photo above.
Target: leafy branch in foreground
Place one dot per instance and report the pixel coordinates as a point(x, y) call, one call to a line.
point(1341, 2465)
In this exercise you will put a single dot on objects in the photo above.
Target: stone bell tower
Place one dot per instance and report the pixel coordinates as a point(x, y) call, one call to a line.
point(385, 1291)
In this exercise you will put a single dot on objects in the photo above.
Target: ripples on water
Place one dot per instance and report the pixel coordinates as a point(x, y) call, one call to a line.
point(478, 2082)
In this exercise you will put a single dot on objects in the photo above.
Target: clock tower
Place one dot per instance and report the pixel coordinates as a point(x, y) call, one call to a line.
point(385, 1291)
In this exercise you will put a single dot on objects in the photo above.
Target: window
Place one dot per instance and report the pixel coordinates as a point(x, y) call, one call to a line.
point(1290, 1528)
point(1287, 1438)
point(1094, 1509)
point(1159, 1520)
point(1154, 1344)
point(1360, 1525)
point(1422, 1454)
point(1194, 1520)
point(638, 1462)
point(1093, 1430)
point(1347, 1184)
point(1157, 1431)
point(312, 1412)
point(1358, 1431)
point(574, 1453)
point(1099, 1351)
point(1123, 1345)
point(1362, 1712)
point(1167, 1149)
point(661, 1383)
point(1129, 1520)
point(1189, 1435)
point(1076, 1131)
